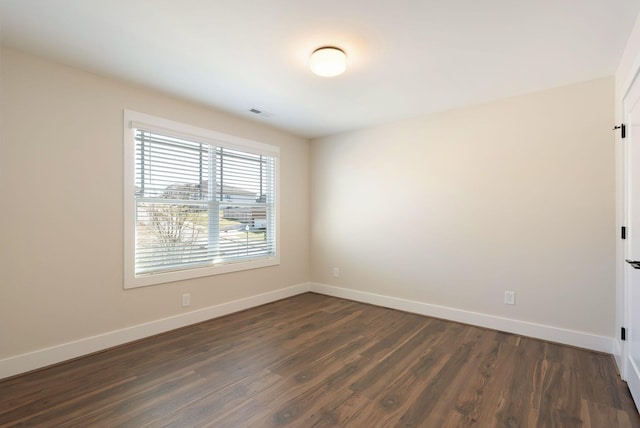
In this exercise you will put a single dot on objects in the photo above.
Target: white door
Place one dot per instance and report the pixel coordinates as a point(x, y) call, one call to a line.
point(632, 243)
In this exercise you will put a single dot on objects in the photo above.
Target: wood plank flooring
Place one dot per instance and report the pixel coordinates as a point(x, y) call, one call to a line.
point(318, 361)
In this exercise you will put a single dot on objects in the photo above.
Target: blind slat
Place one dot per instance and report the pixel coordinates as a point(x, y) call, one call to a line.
point(180, 224)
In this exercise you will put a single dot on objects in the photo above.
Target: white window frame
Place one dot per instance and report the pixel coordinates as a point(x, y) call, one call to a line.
point(133, 120)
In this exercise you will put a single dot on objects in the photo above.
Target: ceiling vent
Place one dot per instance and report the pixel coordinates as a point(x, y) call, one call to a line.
point(260, 112)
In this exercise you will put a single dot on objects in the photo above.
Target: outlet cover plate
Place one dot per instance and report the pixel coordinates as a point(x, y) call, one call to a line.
point(510, 297)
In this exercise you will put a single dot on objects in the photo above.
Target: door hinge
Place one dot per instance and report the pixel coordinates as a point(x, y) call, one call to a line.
point(623, 333)
point(623, 130)
point(623, 232)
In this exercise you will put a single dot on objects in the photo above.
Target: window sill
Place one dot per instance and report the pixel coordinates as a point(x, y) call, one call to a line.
point(219, 269)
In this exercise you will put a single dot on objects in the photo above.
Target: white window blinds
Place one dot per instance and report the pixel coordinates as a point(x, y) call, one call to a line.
point(199, 204)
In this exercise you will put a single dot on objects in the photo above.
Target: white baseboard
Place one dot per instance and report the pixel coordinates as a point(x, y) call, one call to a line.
point(539, 331)
point(45, 357)
point(618, 352)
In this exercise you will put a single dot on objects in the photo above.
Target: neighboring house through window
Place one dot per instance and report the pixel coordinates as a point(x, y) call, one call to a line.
point(197, 202)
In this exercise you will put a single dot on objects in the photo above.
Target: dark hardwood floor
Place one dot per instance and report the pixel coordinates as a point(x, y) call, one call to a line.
point(317, 361)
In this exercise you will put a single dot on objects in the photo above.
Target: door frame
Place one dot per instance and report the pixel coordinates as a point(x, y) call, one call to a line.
point(628, 373)
point(619, 348)
point(622, 294)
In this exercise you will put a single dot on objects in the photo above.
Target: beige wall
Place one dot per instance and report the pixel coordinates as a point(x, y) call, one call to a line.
point(61, 166)
point(448, 209)
point(453, 209)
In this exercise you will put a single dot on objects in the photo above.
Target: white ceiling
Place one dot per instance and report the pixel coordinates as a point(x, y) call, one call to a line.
point(406, 57)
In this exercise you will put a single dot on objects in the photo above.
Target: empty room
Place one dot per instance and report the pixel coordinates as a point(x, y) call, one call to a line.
point(340, 214)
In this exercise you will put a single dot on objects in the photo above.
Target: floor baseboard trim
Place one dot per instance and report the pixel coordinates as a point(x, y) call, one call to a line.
point(56, 354)
point(538, 331)
point(617, 352)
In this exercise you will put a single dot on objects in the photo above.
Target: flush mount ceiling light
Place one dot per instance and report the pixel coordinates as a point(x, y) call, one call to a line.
point(328, 61)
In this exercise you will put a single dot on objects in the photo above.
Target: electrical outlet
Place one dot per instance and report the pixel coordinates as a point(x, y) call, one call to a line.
point(510, 297)
point(186, 300)
point(336, 272)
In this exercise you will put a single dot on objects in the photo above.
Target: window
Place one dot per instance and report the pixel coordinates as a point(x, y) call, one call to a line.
point(197, 202)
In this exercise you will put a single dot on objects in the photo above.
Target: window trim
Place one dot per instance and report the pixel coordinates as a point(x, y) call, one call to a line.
point(132, 120)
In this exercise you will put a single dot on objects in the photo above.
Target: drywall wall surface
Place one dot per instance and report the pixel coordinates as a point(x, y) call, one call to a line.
point(456, 208)
point(62, 212)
